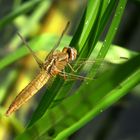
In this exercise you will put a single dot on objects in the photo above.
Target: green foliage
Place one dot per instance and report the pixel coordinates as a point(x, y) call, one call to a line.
point(58, 114)
point(20, 10)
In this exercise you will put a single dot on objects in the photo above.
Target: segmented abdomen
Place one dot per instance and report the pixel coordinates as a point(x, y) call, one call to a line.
point(32, 88)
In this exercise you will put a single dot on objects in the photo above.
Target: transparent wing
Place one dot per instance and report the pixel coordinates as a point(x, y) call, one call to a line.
point(87, 60)
point(84, 61)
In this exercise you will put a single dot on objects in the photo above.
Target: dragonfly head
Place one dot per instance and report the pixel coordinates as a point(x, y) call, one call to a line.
point(72, 53)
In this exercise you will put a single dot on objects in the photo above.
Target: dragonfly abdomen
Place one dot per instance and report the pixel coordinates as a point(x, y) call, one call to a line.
point(32, 88)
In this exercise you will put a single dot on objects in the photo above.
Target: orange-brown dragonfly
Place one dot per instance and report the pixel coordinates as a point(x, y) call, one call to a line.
point(54, 64)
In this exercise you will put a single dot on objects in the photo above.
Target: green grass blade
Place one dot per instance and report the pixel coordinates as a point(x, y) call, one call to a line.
point(93, 40)
point(110, 36)
point(31, 22)
point(114, 95)
point(39, 112)
point(86, 24)
point(21, 10)
point(52, 123)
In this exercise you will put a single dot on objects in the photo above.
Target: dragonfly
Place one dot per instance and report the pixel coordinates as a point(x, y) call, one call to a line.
point(54, 64)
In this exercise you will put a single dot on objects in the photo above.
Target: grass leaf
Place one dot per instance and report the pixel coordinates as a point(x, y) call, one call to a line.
point(21, 10)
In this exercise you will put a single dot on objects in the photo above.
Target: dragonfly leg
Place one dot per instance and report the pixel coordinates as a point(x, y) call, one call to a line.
point(72, 68)
point(75, 70)
point(63, 74)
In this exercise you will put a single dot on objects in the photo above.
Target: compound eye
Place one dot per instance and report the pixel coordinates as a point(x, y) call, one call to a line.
point(72, 52)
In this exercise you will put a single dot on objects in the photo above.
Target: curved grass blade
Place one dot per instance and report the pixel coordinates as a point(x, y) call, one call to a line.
point(39, 112)
point(30, 23)
point(21, 10)
point(110, 35)
point(121, 89)
point(86, 24)
point(69, 86)
point(52, 124)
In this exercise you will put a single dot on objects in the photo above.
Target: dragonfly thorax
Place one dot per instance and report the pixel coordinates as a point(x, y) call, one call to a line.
point(58, 60)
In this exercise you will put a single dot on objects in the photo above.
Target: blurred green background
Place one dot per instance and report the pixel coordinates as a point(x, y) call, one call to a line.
point(41, 22)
